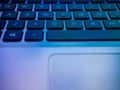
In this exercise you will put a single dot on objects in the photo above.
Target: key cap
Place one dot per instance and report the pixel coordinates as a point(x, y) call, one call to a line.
point(112, 24)
point(75, 7)
point(25, 7)
point(41, 7)
point(74, 25)
point(97, 1)
point(45, 15)
point(63, 15)
point(35, 25)
point(50, 1)
point(66, 1)
point(9, 15)
point(7, 7)
point(12, 36)
point(93, 25)
point(4, 1)
point(2, 24)
point(108, 7)
point(99, 15)
point(114, 14)
point(58, 7)
point(92, 7)
point(34, 35)
point(83, 35)
point(53, 25)
point(81, 1)
point(27, 15)
point(18, 1)
point(34, 1)
point(81, 15)
point(16, 25)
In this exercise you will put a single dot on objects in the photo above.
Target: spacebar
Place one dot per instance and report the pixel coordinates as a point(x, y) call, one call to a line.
point(83, 35)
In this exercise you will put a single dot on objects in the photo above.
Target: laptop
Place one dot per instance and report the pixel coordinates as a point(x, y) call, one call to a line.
point(59, 44)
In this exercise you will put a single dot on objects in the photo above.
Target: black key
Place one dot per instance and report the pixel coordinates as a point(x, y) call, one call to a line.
point(81, 15)
point(25, 7)
point(112, 24)
point(74, 25)
point(35, 24)
point(75, 7)
point(13, 36)
point(34, 1)
point(50, 1)
point(114, 14)
point(99, 15)
point(7, 7)
point(53, 25)
point(45, 15)
point(93, 25)
point(4, 1)
point(27, 15)
point(63, 15)
point(16, 25)
point(2, 24)
point(97, 1)
point(42, 7)
point(83, 35)
point(9, 15)
point(92, 7)
point(0, 33)
point(66, 1)
point(58, 7)
point(34, 35)
point(108, 7)
point(113, 1)
point(81, 1)
point(18, 1)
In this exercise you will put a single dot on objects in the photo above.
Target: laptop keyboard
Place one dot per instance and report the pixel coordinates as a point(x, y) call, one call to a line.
point(59, 20)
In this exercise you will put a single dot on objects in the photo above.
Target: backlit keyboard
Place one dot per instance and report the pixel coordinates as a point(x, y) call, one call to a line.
point(59, 20)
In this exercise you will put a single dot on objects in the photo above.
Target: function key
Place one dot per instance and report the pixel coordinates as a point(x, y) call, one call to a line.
point(34, 1)
point(2, 24)
point(16, 25)
point(34, 35)
point(35, 24)
point(9, 15)
point(18, 1)
point(42, 7)
point(108, 7)
point(45, 15)
point(25, 7)
point(50, 1)
point(75, 7)
point(81, 15)
point(92, 7)
point(66, 1)
point(63, 15)
point(27, 15)
point(114, 14)
point(58, 7)
point(7, 7)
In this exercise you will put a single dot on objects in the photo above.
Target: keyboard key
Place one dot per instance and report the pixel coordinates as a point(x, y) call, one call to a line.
point(81, 1)
point(58, 7)
point(99, 15)
point(24, 7)
point(34, 35)
point(112, 24)
point(35, 24)
point(2, 24)
point(66, 1)
point(63, 15)
point(114, 14)
point(42, 7)
point(13, 36)
point(92, 7)
point(83, 35)
point(97, 1)
point(81, 15)
point(16, 25)
point(50, 1)
point(75, 7)
point(7, 7)
point(9, 15)
point(45, 15)
point(27, 15)
point(74, 25)
point(93, 24)
point(54, 25)
point(34, 1)
point(108, 7)
point(18, 1)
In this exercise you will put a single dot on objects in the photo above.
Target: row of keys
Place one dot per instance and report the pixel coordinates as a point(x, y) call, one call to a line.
point(61, 15)
point(58, 35)
point(59, 7)
point(61, 1)
point(59, 25)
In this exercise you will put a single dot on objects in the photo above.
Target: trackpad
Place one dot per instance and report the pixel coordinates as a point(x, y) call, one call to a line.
point(84, 72)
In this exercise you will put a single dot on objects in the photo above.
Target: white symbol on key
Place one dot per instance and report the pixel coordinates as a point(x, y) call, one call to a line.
point(12, 34)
